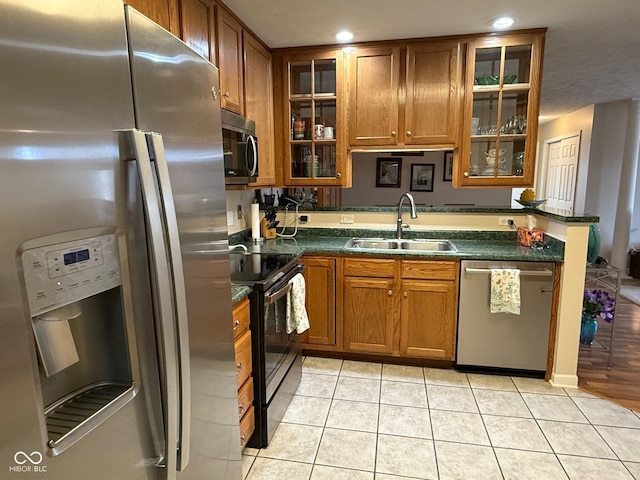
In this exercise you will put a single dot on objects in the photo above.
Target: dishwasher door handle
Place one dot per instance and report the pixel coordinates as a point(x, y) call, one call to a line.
point(524, 273)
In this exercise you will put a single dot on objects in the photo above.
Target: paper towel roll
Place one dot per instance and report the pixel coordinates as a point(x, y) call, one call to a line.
point(255, 221)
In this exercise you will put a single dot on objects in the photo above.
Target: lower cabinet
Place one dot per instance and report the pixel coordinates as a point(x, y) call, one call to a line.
point(320, 279)
point(242, 344)
point(400, 307)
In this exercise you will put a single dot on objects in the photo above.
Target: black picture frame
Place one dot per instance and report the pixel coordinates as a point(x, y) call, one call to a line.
point(389, 172)
point(422, 177)
point(447, 172)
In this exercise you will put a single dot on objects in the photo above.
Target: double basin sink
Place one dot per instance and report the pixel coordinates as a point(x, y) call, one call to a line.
point(422, 245)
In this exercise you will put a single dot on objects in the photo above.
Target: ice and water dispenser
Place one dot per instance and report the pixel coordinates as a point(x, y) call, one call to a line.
point(74, 291)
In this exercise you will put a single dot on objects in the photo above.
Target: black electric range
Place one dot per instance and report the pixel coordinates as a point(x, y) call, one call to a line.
point(276, 354)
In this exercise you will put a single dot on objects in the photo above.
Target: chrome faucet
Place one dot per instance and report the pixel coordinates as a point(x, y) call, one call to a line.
point(413, 214)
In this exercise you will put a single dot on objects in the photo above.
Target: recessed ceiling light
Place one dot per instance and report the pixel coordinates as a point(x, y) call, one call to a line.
point(344, 36)
point(502, 23)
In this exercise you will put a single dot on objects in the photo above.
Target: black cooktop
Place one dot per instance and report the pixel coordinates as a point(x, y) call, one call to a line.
point(260, 269)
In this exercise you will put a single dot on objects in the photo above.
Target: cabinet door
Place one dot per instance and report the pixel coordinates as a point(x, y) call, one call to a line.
point(230, 62)
point(198, 27)
point(373, 96)
point(500, 124)
point(320, 277)
point(163, 12)
point(369, 310)
point(432, 94)
point(428, 320)
point(258, 97)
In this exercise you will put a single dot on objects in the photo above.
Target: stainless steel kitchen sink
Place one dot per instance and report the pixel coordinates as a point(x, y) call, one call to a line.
point(421, 244)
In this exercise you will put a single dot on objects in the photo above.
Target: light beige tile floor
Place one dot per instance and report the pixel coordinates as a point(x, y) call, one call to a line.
point(368, 421)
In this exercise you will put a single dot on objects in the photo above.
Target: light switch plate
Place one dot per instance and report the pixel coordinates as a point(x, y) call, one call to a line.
point(229, 218)
point(346, 218)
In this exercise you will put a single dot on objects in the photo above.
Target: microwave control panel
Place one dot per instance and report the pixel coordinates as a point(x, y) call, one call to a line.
point(59, 274)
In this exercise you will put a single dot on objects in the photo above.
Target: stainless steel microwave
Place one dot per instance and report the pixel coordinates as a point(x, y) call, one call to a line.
point(239, 148)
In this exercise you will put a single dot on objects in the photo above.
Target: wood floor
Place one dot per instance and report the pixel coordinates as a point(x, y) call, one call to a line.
point(621, 382)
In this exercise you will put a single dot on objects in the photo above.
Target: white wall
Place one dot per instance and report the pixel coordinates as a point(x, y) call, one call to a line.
point(364, 191)
point(578, 121)
point(244, 198)
point(605, 166)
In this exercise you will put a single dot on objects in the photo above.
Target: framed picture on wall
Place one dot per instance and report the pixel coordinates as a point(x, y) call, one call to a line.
point(422, 177)
point(447, 174)
point(388, 172)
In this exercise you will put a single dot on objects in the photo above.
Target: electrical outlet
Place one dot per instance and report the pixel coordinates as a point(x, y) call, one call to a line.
point(239, 212)
point(303, 218)
point(346, 218)
point(506, 221)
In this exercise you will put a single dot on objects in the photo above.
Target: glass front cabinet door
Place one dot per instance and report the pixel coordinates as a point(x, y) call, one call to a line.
point(314, 149)
point(501, 111)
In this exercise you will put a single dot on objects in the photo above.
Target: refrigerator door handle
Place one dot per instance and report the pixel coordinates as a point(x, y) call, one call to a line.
point(180, 297)
point(162, 281)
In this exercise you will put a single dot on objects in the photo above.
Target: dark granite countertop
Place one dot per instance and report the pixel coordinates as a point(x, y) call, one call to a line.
point(470, 244)
point(239, 292)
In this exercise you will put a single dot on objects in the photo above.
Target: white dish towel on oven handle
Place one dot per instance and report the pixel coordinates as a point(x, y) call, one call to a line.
point(505, 291)
point(297, 318)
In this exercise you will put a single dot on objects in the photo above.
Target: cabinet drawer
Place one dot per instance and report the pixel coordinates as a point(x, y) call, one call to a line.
point(241, 318)
point(369, 267)
point(243, 358)
point(429, 270)
point(247, 426)
point(245, 397)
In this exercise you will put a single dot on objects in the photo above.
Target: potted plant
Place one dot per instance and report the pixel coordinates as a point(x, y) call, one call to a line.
point(595, 303)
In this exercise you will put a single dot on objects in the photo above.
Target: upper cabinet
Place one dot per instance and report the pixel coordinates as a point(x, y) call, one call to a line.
point(230, 62)
point(502, 100)
point(163, 12)
point(258, 98)
point(199, 27)
point(311, 117)
point(405, 95)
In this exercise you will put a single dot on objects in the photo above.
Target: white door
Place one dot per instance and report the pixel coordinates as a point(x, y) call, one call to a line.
point(562, 172)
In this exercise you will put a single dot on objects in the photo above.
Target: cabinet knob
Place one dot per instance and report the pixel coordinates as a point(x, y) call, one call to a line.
point(390, 292)
point(236, 324)
point(338, 175)
point(393, 133)
point(226, 95)
point(406, 294)
point(241, 409)
point(465, 174)
point(238, 368)
point(408, 133)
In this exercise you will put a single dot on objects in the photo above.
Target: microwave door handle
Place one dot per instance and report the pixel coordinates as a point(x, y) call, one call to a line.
point(162, 286)
point(254, 150)
point(180, 297)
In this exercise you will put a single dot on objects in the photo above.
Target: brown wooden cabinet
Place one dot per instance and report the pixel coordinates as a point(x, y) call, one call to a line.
point(229, 49)
point(242, 344)
point(309, 91)
point(405, 94)
point(429, 292)
point(258, 98)
point(400, 307)
point(163, 12)
point(500, 126)
point(320, 279)
point(198, 29)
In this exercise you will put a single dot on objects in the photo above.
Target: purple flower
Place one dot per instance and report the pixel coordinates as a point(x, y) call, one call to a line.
point(598, 303)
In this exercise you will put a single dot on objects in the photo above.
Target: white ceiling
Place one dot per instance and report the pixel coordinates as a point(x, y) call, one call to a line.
point(592, 52)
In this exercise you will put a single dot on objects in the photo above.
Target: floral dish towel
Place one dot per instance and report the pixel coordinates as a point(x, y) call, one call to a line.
point(505, 290)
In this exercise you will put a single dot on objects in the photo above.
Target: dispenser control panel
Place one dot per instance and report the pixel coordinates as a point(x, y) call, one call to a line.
point(59, 274)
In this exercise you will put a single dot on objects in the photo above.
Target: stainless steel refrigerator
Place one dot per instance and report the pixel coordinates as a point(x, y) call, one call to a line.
point(116, 343)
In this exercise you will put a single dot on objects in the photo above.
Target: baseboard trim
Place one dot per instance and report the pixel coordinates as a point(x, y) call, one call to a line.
point(566, 381)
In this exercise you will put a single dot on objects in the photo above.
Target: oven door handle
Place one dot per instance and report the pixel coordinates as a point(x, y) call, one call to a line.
point(278, 294)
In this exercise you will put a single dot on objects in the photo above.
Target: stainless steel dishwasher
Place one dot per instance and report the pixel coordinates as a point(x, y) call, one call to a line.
point(502, 340)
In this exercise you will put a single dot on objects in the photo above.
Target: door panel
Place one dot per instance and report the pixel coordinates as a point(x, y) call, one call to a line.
point(562, 173)
point(368, 315)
